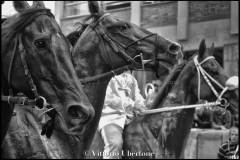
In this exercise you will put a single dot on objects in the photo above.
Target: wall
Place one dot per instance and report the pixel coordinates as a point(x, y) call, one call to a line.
point(208, 10)
point(162, 14)
point(123, 14)
point(186, 22)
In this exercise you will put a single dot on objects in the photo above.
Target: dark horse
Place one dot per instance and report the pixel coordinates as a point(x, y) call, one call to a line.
point(106, 46)
point(35, 53)
point(163, 135)
point(169, 130)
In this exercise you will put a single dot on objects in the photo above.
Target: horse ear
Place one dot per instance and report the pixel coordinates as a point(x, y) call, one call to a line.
point(202, 48)
point(20, 6)
point(94, 8)
point(211, 51)
point(38, 4)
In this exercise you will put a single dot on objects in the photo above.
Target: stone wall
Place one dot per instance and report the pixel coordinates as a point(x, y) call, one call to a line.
point(231, 59)
point(123, 14)
point(161, 14)
point(208, 10)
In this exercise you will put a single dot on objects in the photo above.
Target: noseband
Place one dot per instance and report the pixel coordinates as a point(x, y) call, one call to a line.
point(208, 78)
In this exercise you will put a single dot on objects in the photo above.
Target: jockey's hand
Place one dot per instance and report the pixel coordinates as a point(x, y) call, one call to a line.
point(138, 110)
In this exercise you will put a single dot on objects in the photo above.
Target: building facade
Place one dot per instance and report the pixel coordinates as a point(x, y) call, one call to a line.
point(186, 22)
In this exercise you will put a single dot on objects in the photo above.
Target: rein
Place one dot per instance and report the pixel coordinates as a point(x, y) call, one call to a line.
point(220, 101)
point(109, 74)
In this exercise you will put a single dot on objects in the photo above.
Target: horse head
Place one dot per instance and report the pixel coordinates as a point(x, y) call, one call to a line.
point(200, 79)
point(34, 50)
point(108, 43)
point(205, 79)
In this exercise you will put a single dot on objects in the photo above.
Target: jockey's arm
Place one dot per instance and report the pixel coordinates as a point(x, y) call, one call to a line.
point(114, 100)
point(139, 103)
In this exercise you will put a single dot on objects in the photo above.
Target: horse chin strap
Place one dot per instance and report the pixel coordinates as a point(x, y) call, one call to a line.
point(207, 78)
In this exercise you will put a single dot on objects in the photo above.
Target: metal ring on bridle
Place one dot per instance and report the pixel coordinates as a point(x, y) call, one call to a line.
point(41, 103)
point(224, 102)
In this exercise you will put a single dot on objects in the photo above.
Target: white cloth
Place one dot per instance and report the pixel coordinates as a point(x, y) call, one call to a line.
point(122, 95)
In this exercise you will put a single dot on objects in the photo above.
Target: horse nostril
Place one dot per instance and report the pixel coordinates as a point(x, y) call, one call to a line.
point(174, 48)
point(76, 112)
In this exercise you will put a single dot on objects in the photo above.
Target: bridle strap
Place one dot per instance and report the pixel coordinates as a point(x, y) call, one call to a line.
point(18, 100)
point(115, 47)
point(152, 34)
point(105, 75)
point(106, 57)
point(28, 76)
point(10, 91)
point(206, 77)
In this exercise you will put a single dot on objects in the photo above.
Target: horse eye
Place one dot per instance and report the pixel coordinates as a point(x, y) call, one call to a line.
point(40, 43)
point(124, 28)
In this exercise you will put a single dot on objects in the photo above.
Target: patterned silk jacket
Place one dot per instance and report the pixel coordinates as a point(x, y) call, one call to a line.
point(121, 96)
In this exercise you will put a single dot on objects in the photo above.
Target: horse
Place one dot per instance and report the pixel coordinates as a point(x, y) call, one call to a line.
point(163, 135)
point(94, 70)
point(36, 61)
point(106, 46)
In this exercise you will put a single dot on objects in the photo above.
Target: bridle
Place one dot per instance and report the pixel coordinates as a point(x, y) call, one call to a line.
point(39, 102)
point(209, 80)
point(119, 48)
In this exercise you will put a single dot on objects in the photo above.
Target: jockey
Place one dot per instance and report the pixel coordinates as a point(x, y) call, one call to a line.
point(122, 100)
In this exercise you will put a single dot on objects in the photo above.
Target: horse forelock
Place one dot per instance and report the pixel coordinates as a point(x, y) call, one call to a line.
point(16, 23)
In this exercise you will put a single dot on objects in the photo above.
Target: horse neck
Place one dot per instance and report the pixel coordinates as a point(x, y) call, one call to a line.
point(167, 86)
point(95, 90)
point(170, 128)
point(6, 110)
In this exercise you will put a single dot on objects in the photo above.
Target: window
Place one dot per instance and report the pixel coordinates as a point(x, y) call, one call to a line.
point(75, 8)
point(112, 5)
point(153, 2)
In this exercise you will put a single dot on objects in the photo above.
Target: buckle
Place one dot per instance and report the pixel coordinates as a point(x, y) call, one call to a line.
point(41, 103)
point(23, 100)
point(224, 102)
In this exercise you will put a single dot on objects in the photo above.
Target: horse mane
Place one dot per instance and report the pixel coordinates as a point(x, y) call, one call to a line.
point(167, 85)
point(74, 36)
